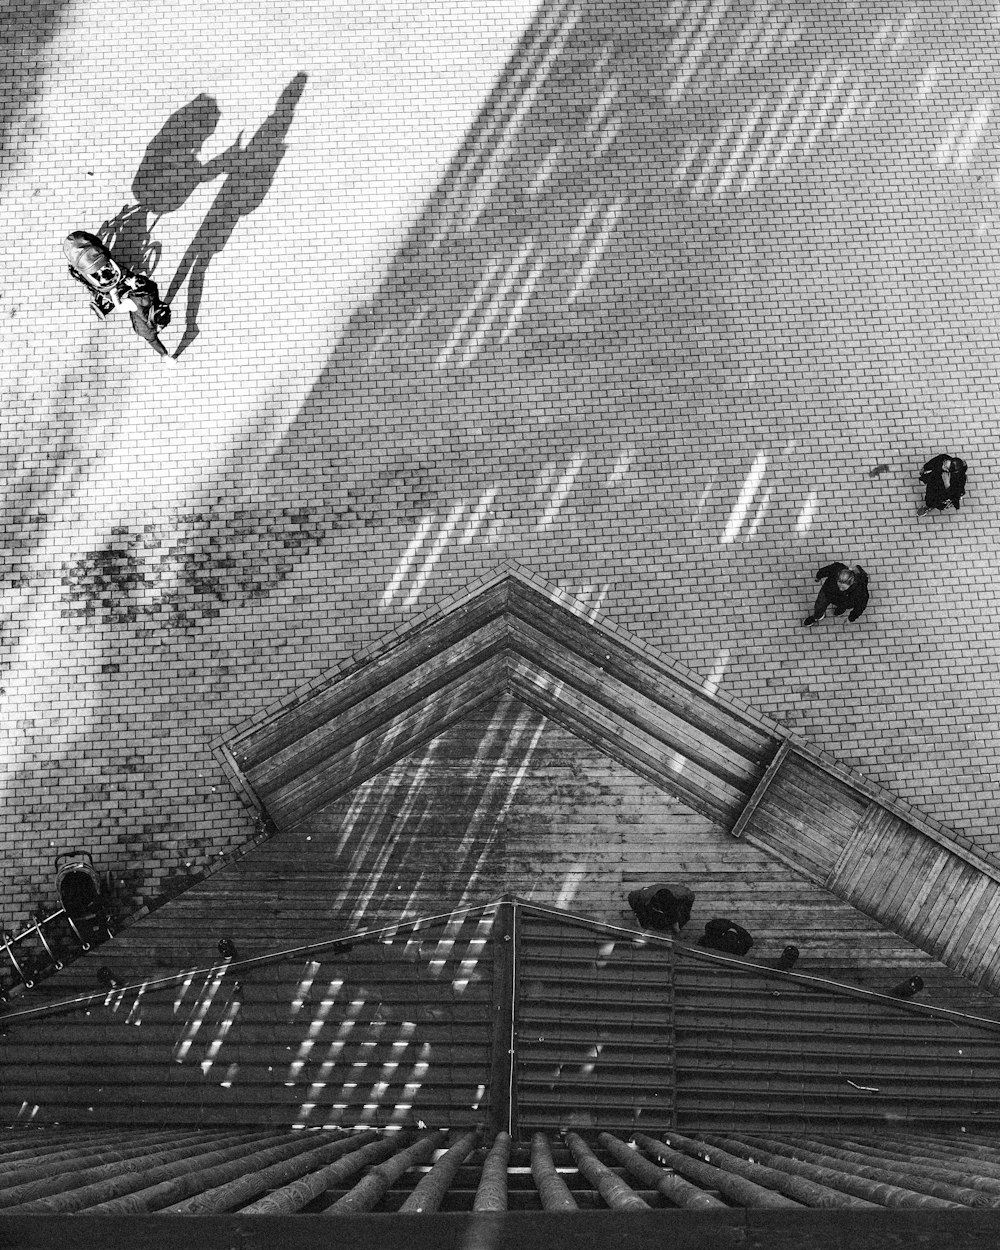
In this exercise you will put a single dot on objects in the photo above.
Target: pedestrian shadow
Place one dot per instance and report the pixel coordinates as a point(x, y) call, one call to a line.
point(250, 174)
point(170, 172)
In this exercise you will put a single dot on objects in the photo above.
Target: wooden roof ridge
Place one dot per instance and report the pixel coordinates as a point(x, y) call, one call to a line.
point(513, 632)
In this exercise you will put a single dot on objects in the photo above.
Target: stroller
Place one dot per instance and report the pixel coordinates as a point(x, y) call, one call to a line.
point(85, 896)
point(110, 284)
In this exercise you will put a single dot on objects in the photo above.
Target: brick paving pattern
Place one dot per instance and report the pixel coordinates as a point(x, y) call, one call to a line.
point(667, 303)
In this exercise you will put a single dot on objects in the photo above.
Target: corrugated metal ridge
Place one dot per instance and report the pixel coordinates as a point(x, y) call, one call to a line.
point(748, 966)
point(256, 961)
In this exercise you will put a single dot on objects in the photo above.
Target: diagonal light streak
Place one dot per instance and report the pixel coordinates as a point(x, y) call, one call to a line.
point(905, 31)
point(799, 120)
point(409, 555)
point(976, 125)
point(477, 518)
point(759, 515)
point(610, 134)
point(768, 36)
point(519, 304)
point(749, 126)
point(596, 250)
point(697, 49)
point(488, 178)
point(851, 104)
point(435, 554)
point(544, 172)
point(451, 208)
point(746, 497)
point(768, 137)
point(686, 31)
point(711, 160)
point(691, 150)
point(561, 491)
point(828, 102)
point(600, 109)
point(582, 227)
point(478, 295)
point(498, 299)
point(750, 30)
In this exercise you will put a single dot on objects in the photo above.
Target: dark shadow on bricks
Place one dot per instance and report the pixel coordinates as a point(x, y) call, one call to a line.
point(489, 334)
point(251, 172)
point(384, 435)
point(169, 173)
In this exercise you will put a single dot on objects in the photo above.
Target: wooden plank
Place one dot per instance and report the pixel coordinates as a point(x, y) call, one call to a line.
point(896, 876)
point(343, 691)
point(988, 972)
point(290, 804)
point(299, 751)
point(774, 826)
point(983, 946)
point(964, 919)
point(775, 851)
point(694, 785)
point(810, 823)
point(936, 860)
point(833, 805)
point(865, 888)
point(948, 898)
point(914, 819)
point(623, 662)
point(761, 788)
point(861, 852)
point(800, 856)
point(635, 706)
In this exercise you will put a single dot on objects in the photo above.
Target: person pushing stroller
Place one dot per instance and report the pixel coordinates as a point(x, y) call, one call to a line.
point(110, 285)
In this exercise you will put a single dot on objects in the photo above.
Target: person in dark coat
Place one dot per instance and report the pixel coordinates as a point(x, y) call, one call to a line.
point(727, 936)
point(944, 479)
point(844, 589)
point(666, 907)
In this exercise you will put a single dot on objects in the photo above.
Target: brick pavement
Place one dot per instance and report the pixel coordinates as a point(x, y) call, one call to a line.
point(644, 322)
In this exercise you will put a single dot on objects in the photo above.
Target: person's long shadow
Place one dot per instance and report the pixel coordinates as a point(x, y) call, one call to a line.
point(251, 173)
point(168, 175)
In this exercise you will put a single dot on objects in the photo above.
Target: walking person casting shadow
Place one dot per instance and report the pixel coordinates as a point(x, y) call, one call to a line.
point(169, 174)
point(251, 173)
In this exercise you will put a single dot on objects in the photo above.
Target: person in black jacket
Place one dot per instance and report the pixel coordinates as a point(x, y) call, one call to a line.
point(944, 479)
point(666, 907)
point(727, 936)
point(844, 589)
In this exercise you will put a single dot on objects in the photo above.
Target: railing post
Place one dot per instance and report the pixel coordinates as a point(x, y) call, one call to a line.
point(502, 1115)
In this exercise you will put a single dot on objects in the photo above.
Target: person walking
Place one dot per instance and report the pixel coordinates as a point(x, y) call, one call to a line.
point(844, 589)
point(665, 907)
point(944, 480)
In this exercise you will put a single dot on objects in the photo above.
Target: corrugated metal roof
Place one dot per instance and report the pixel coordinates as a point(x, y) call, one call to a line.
point(507, 1016)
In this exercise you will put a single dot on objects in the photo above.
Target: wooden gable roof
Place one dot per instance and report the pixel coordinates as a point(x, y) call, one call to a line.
point(745, 773)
